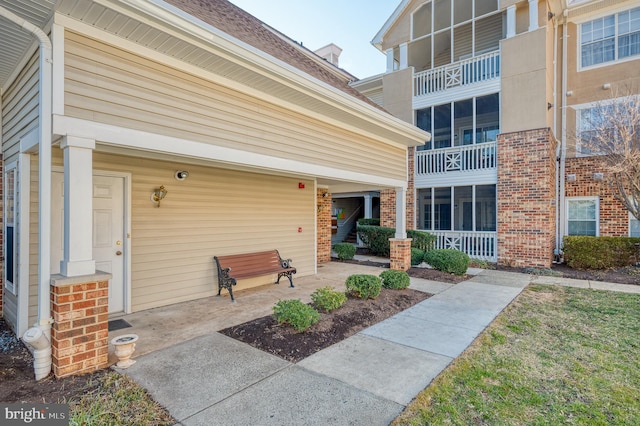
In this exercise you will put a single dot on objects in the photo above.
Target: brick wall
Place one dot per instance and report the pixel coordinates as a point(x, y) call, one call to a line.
point(324, 226)
point(1, 238)
point(614, 217)
point(79, 335)
point(526, 198)
point(388, 208)
point(388, 199)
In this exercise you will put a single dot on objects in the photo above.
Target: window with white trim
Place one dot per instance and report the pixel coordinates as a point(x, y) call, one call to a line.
point(10, 183)
point(634, 226)
point(610, 38)
point(583, 216)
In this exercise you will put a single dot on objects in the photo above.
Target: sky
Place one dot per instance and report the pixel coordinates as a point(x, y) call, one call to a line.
point(349, 24)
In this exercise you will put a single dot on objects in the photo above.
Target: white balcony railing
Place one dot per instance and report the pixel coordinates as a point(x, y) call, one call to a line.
point(457, 159)
point(462, 73)
point(479, 245)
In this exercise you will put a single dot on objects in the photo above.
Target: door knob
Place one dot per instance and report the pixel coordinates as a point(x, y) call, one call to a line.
point(118, 253)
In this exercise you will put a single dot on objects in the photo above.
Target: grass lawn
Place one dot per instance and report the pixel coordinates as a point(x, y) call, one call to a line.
point(117, 400)
point(557, 355)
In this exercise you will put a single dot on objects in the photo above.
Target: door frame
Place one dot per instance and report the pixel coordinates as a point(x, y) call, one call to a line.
point(126, 227)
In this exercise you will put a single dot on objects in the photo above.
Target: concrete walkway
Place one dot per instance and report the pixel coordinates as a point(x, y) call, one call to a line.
point(366, 379)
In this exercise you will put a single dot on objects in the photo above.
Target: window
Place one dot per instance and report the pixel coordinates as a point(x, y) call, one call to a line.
point(9, 228)
point(634, 226)
point(610, 38)
point(583, 216)
point(475, 120)
point(459, 208)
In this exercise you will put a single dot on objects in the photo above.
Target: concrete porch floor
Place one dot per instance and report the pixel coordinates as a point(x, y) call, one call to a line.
point(160, 328)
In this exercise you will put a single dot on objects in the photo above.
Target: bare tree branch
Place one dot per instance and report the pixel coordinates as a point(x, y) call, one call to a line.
point(612, 130)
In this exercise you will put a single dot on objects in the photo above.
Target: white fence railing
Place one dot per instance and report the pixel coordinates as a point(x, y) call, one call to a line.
point(458, 159)
point(468, 71)
point(479, 245)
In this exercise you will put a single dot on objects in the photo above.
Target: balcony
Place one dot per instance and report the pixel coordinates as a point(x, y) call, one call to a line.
point(479, 69)
point(468, 158)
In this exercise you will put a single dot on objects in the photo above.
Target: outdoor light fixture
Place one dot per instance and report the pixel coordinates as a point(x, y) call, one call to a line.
point(158, 195)
point(181, 174)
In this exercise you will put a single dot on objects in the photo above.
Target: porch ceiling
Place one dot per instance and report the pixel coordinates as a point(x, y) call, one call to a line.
point(15, 40)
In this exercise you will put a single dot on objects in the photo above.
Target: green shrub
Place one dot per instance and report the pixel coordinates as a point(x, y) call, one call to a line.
point(480, 263)
point(421, 240)
point(370, 221)
point(581, 252)
point(328, 299)
point(295, 313)
point(417, 256)
point(395, 279)
point(344, 250)
point(448, 260)
point(376, 238)
point(364, 286)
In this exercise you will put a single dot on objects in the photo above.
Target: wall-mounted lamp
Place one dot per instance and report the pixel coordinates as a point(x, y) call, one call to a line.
point(325, 194)
point(158, 195)
point(550, 15)
point(181, 174)
point(549, 105)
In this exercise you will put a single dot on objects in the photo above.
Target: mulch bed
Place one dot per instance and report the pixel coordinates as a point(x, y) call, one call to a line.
point(17, 379)
point(355, 315)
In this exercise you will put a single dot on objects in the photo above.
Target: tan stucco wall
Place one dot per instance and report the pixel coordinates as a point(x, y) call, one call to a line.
point(524, 85)
point(398, 94)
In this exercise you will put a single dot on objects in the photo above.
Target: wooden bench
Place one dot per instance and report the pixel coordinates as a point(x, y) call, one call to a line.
point(249, 265)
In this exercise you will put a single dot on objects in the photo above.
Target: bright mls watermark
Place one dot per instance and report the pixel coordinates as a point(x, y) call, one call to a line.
point(34, 414)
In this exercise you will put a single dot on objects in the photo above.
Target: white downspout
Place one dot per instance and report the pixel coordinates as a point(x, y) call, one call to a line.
point(563, 142)
point(556, 251)
point(42, 353)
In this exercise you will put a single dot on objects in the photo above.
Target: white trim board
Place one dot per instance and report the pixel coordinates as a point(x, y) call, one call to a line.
point(136, 139)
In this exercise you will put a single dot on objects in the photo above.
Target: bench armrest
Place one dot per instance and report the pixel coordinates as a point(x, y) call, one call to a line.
point(286, 263)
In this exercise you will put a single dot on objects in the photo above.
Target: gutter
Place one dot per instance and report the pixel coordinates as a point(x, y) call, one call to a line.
point(41, 341)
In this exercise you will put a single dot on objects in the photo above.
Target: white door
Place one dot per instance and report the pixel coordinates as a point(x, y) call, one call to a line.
point(108, 232)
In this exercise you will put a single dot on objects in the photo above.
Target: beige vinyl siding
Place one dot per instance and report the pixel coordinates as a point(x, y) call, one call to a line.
point(213, 212)
point(376, 96)
point(10, 309)
point(109, 85)
point(20, 108)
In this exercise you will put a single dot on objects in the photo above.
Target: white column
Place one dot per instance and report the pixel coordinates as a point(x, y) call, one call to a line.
point(511, 21)
point(368, 208)
point(533, 15)
point(78, 207)
point(390, 60)
point(404, 56)
point(401, 212)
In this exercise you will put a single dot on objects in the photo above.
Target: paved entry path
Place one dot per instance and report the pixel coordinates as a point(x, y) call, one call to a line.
point(366, 379)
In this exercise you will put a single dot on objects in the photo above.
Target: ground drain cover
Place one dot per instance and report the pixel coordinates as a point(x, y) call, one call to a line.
point(118, 324)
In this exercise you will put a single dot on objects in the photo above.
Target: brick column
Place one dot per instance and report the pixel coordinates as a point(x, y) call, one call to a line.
point(526, 198)
point(324, 205)
point(79, 335)
point(411, 191)
point(400, 253)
